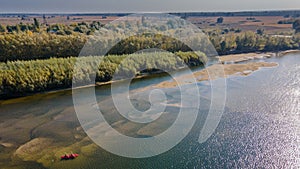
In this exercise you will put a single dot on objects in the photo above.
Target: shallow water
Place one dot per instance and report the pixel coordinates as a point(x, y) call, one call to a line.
point(260, 127)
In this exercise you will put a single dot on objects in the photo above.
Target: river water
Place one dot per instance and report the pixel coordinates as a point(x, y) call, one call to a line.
point(260, 127)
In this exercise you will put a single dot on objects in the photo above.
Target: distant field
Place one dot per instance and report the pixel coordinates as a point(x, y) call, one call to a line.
point(51, 19)
point(268, 23)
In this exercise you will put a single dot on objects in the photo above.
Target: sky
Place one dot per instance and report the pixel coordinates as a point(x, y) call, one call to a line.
point(93, 6)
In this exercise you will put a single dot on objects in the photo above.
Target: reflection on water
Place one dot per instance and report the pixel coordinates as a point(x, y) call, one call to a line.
point(259, 129)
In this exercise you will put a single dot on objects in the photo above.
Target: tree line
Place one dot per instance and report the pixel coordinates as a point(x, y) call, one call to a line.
point(253, 42)
point(59, 29)
point(18, 78)
point(29, 46)
point(32, 46)
point(296, 26)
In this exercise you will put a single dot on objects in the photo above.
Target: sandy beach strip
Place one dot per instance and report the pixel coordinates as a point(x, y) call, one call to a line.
point(236, 58)
point(217, 71)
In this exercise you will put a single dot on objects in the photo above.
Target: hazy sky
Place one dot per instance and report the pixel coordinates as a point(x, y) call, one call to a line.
point(143, 5)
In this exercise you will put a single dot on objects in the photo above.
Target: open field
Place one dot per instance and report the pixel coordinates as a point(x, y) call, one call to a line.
point(54, 19)
point(244, 23)
point(268, 23)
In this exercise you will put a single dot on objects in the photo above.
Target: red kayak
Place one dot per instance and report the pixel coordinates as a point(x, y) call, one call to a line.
point(69, 156)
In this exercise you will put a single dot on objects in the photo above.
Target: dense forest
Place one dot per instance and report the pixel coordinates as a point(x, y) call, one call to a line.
point(22, 77)
point(35, 58)
point(30, 46)
point(253, 42)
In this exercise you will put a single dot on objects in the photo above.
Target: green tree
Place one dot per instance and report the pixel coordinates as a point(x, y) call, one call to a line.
point(2, 28)
point(223, 46)
point(260, 31)
point(23, 27)
point(296, 26)
point(36, 24)
point(247, 42)
point(9, 28)
point(220, 20)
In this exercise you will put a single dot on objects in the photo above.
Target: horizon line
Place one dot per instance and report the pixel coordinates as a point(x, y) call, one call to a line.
point(234, 11)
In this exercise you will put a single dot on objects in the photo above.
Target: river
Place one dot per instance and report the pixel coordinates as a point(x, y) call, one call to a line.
point(260, 127)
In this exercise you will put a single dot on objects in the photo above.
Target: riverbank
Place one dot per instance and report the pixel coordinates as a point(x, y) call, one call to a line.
point(20, 78)
point(230, 65)
point(237, 58)
point(224, 71)
point(225, 60)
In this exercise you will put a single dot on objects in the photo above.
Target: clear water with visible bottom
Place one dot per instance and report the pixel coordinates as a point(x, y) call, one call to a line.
point(260, 127)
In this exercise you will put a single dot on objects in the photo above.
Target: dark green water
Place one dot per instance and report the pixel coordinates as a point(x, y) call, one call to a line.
point(260, 127)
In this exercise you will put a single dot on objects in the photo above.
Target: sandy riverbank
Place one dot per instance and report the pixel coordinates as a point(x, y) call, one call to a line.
point(237, 58)
point(244, 57)
point(231, 65)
